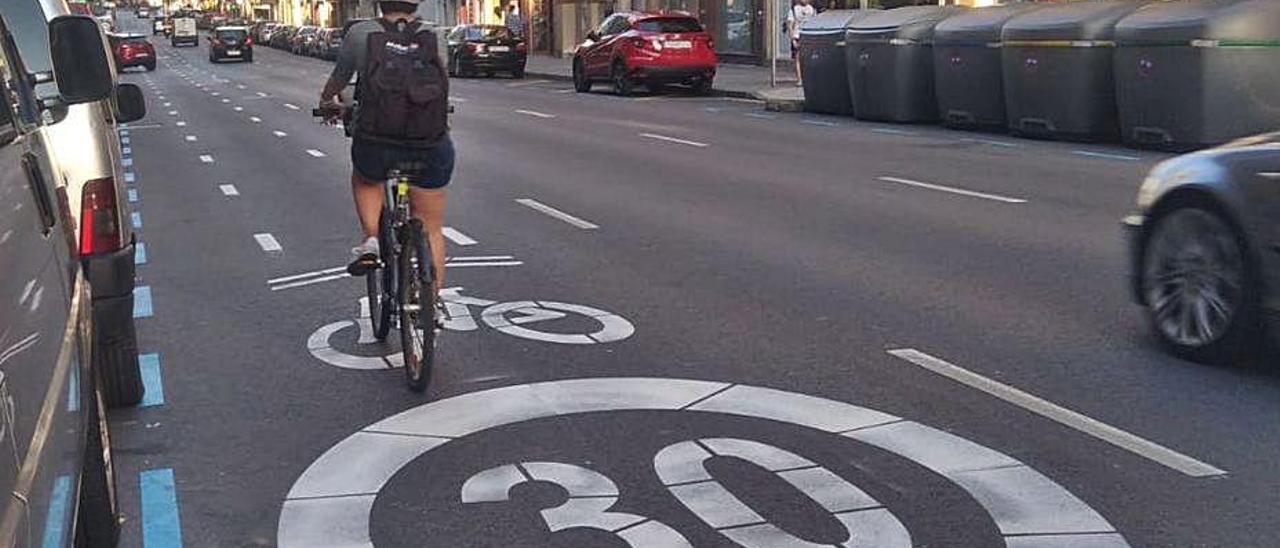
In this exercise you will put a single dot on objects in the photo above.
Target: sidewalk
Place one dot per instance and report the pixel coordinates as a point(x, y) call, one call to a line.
point(744, 81)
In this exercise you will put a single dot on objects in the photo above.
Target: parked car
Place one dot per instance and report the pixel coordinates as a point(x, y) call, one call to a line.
point(651, 48)
point(183, 32)
point(329, 44)
point(52, 400)
point(261, 31)
point(486, 48)
point(144, 13)
point(132, 50)
point(1205, 249)
point(230, 43)
point(281, 35)
point(299, 40)
point(159, 25)
point(85, 152)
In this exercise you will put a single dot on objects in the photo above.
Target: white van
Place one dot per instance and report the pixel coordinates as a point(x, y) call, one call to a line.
point(184, 32)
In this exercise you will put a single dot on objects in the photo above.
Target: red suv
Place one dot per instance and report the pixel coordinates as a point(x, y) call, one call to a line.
point(133, 50)
point(652, 48)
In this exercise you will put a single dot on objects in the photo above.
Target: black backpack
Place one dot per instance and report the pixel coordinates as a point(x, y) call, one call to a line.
point(404, 90)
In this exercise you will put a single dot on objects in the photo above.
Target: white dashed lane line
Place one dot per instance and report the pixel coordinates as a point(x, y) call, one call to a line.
point(655, 136)
point(888, 131)
point(180, 124)
point(535, 113)
point(457, 237)
point(268, 242)
point(315, 153)
point(191, 138)
point(205, 158)
point(953, 190)
point(556, 213)
point(279, 133)
point(255, 119)
point(1106, 156)
point(1066, 417)
point(229, 190)
point(291, 106)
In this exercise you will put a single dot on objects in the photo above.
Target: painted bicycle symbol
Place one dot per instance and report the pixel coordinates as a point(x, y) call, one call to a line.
point(515, 318)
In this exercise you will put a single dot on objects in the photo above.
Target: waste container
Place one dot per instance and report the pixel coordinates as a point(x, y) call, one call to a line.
point(967, 68)
point(1198, 72)
point(1058, 79)
point(890, 63)
point(821, 58)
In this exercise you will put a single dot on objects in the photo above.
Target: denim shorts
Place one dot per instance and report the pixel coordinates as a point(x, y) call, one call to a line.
point(432, 167)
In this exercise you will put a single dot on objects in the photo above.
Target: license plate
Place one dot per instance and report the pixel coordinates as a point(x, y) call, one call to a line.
point(679, 44)
point(499, 49)
point(142, 54)
point(233, 52)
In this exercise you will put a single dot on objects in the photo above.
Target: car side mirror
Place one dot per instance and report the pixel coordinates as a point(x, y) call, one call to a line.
point(80, 64)
point(130, 103)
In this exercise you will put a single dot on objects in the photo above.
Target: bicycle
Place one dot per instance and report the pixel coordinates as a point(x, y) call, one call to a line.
point(402, 284)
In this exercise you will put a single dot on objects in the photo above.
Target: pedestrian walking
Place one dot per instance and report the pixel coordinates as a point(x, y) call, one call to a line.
point(514, 22)
point(801, 11)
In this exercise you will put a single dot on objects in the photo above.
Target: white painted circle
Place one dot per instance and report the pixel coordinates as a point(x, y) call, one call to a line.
point(318, 346)
point(331, 502)
point(613, 327)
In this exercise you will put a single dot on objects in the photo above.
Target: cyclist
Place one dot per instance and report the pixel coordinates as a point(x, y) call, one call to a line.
point(400, 121)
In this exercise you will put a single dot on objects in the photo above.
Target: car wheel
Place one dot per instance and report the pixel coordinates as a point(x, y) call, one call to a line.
point(454, 66)
point(518, 73)
point(581, 83)
point(1198, 286)
point(702, 87)
point(116, 352)
point(622, 85)
point(98, 522)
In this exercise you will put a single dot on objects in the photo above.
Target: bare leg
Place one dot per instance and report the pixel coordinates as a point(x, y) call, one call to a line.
point(369, 196)
point(429, 207)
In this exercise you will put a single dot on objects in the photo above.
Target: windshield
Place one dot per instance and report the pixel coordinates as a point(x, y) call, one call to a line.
point(231, 35)
point(669, 25)
point(31, 32)
point(487, 33)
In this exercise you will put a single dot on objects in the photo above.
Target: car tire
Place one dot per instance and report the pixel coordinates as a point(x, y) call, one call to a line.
point(117, 359)
point(454, 67)
point(702, 87)
point(518, 74)
point(622, 84)
point(1199, 285)
point(151, 67)
point(581, 83)
point(98, 515)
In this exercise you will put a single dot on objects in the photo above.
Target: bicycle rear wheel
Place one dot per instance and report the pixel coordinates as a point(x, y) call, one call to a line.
point(380, 284)
point(417, 308)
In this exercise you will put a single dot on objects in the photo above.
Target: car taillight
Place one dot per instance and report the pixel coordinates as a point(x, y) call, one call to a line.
point(522, 47)
point(474, 47)
point(99, 224)
point(248, 41)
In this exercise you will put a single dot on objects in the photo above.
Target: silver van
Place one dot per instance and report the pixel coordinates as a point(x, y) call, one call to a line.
point(86, 158)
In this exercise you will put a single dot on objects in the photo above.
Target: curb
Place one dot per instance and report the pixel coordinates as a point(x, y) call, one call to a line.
point(715, 92)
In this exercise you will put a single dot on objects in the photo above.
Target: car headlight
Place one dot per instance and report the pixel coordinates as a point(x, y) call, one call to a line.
point(1147, 193)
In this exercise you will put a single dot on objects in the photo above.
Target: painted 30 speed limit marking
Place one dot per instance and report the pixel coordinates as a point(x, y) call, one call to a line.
point(331, 503)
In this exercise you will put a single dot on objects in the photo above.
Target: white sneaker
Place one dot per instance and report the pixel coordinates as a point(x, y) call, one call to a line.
point(369, 247)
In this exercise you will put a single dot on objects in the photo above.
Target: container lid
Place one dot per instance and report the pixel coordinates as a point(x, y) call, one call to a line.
point(978, 26)
point(1075, 21)
point(911, 22)
point(1203, 22)
point(831, 21)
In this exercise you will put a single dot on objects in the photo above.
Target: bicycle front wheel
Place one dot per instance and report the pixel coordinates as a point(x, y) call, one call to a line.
point(417, 308)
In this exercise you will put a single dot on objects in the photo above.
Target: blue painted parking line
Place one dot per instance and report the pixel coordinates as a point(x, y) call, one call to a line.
point(152, 381)
point(142, 301)
point(140, 254)
point(137, 219)
point(133, 195)
point(73, 390)
point(161, 527)
point(1106, 156)
point(126, 162)
point(126, 150)
point(129, 177)
point(56, 519)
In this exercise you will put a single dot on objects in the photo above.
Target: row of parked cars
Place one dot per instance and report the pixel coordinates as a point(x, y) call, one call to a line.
point(68, 347)
point(321, 42)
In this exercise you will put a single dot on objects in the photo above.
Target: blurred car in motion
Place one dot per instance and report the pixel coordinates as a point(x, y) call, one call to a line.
point(486, 49)
point(655, 49)
point(1205, 250)
point(132, 50)
point(230, 43)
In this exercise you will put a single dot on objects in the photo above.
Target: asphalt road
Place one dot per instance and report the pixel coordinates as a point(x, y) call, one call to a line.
point(772, 298)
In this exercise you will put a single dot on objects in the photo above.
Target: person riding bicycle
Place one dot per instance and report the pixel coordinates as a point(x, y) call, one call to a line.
point(400, 119)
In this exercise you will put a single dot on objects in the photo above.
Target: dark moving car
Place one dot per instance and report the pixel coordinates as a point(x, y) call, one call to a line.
point(132, 50)
point(230, 43)
point(486, 49)
point(1206, 250)
point(56, 463)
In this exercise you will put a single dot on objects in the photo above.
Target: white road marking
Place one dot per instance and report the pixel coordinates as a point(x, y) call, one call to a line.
point(457, 237)
point(279, 133)
point(267, 242)
point(567, 90)
point(822, 123)
point(556, 213)
point(238, 108)
point(214, 93)
point(992, 142)
point(166, 105)
point(225, 100)
point(180, 124)
point(173, 113)
point(1106, 156)
point(255, 119)
point(291, 106)
point(315, 153)
point(191, 138)
point(534, 113)
point(229, 190)
point(674, 140)
point(527, 83)
point(953, 190)
point(893, 131)
point(305, 275)
point(759, 115)
point(261, 94)
point(1066, 417)
point(205, 158)
point(241, 86)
